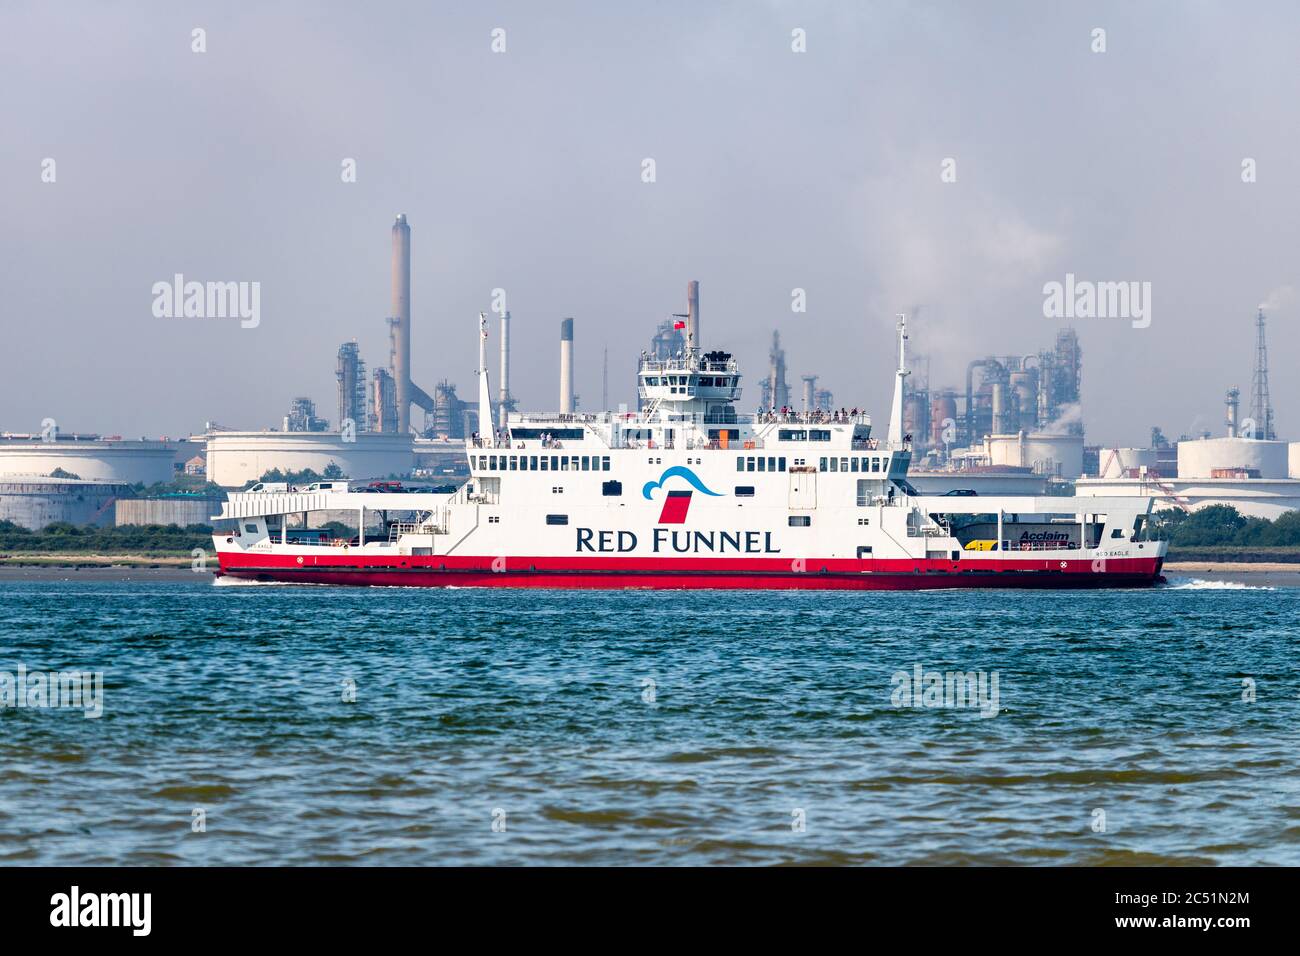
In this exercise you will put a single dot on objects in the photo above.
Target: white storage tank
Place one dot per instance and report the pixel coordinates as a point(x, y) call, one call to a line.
point(1229, 457)
point(1125, 462)
point(37, 502)
point(90, 459)
point(236, 458)
point(1059, 456)
point(180, 510)
point(1293, 460)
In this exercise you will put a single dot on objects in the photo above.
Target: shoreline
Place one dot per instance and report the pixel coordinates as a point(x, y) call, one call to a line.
point(77, 560)
point(103, 567)
point(1233, 567)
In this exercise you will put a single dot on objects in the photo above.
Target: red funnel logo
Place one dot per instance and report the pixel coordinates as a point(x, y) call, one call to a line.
point(676, 503)
point(675, 506)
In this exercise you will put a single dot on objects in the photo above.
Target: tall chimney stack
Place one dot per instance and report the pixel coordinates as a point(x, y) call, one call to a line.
point(566, 367)
point(809, 393)
point(693, 313)
point(401, 322)
point(504, 394)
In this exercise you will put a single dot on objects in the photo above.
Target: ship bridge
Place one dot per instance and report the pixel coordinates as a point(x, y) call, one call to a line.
point(707, 385)
point(688, 402)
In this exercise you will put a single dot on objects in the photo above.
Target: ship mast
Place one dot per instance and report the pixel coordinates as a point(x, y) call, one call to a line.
point(896, 413)
point(484, 399)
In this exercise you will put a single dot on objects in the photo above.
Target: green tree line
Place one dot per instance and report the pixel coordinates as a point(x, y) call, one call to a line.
point(1224, 525)
point(62, 537)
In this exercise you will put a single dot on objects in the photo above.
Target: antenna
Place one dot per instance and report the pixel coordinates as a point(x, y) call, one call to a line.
point(604, 384)
point(1261, 408)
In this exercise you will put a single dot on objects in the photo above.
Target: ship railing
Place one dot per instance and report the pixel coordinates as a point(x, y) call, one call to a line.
point(790, 417)
point(748, 444)
point(552, 419)
point(865, 501)
point(1040, 545)
point(433, 525)
point(649, 445)
point(685, 365)
point(927, 531)
point(397, 529)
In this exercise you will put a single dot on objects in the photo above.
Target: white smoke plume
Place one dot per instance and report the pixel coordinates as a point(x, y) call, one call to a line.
point(1279, 298)
point(1069, 415)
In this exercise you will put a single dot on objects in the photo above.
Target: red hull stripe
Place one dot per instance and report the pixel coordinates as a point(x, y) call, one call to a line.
point(591, 571)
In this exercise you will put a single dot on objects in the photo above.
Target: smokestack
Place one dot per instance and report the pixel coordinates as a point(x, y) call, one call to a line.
point(809, 393)
point(693, 313)
point(999, 410)
point(504, 400)
point(401, 322)
point(1233, 401)
point(566, 367)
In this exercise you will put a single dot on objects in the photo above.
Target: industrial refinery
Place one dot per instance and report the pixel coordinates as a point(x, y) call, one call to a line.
point(1013, 425)
point(1247, 467)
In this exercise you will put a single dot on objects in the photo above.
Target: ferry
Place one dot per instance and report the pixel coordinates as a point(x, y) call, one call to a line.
point(687, 492)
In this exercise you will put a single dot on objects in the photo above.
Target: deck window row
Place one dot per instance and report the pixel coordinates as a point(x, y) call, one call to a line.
point(760, 463)
point(543, 463)
point(878, 465)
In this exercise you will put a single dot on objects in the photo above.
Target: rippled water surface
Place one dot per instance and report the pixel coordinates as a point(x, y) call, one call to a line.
point(1121, 733)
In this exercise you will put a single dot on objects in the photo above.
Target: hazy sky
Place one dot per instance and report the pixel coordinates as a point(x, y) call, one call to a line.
point(522, 170)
